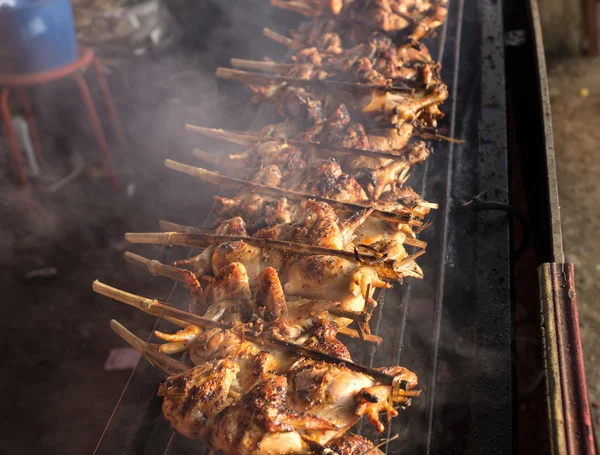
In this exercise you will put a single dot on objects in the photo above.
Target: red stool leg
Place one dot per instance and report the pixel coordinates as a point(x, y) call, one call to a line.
point(112, 111)
point(89, 104)
point(12, 142)
point(31, 122)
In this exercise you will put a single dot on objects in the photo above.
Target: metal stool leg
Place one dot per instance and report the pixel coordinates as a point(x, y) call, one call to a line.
point(12, 143)
point(31, 122)
point(89, 104)
point(112, 111)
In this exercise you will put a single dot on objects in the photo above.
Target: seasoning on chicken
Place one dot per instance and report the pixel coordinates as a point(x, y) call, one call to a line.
point(263, 396)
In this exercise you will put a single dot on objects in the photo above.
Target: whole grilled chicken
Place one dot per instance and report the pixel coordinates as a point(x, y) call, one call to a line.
point(256, 400)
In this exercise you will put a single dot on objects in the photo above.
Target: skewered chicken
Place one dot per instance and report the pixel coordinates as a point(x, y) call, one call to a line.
point(314, 223)
point(259, 391)
point(354, 20)
point(229, 298)
point(270, 375)
point(344, 280)
point(267, 401)
point(383, 106)
point(302, 164)
point(376, 61)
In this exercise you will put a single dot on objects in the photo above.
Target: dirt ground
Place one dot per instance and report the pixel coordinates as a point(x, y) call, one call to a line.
point(575, 94)
point(54, 331)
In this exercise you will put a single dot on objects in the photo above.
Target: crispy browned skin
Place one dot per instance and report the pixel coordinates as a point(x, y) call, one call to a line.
point(259, 400)
point(377, 61)
point(194, 398)
point(262, 423)
point(269, 295)
point(350, 178)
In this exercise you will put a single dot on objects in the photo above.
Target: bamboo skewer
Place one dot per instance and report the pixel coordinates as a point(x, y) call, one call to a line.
point(230, 136)
point(249, 77)
point(250, 139)
point(374, 449)
point(281, 39)
point(410, 258)
point(373, 339)
point(223, 180)
point(167, 226)
point(295, 8)
point(264, 65)
point(439, 137)
point(174, 227)
point(158, 309)
point(202, 240)
point(157, 268)
point(158, 359)
point(351, 150)
point(270, 66)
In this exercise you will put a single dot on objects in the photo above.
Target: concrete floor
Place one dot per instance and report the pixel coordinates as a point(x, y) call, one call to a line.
point(54, 333)
point(576, 135)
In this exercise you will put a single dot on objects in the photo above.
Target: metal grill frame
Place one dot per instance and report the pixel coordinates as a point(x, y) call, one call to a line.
point(462, 411)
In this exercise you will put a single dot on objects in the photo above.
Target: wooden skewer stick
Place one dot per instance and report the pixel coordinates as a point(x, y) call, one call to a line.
point(439, 137)
point(203, 240)
point(355, 334)
point(222, 180)
point(230, 136)
point(174, 227)
point(281, 39)
point(249, 138)
point(415, 242)
point(264, 65)
point(155, 267)
point(295, 7)
point(161, 310)
point(353, 151)
point(410, 258)
point(168, 226)
point(249, 77)
point(158, 359)
point(270, 66)
point(374, 450)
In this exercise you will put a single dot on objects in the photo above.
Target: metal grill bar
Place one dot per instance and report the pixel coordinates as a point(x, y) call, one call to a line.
point(439, 298)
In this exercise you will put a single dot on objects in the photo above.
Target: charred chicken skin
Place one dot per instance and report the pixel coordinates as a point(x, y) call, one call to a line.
point(257, 400)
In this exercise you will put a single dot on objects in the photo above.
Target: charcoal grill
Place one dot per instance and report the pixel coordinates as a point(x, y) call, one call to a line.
point(455, 328)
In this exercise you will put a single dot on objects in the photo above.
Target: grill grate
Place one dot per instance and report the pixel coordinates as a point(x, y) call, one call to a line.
point(454, 327)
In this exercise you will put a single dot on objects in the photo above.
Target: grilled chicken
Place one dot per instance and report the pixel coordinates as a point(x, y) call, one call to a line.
point(353, 178)
point(384, 106)
point(377, 61)
point(353, 21)
point(255, 397)
point(346, 281)
point(296, 165)
point(229, 298)
point(257, 400)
